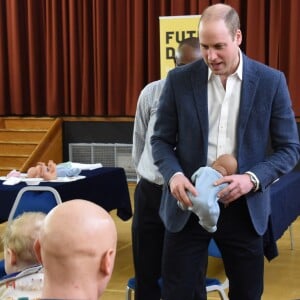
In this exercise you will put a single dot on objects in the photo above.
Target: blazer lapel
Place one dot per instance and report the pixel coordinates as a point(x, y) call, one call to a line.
point(249, 86)
point(198, 78)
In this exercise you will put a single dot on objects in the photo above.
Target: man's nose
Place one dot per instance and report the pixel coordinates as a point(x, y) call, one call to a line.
point(211, 54)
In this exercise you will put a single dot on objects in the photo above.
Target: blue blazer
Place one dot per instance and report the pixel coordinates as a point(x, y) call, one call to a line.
point(180, 138)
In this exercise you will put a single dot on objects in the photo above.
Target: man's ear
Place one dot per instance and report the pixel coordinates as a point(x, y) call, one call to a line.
point(107, 262)
point(11, 255)
point(37, 250)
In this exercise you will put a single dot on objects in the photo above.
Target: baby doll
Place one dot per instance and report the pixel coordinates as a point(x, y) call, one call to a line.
point(41, 170)
point(205, 205)
point(52, 171)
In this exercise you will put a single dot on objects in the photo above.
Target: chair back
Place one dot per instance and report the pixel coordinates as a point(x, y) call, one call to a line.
point(34, 198)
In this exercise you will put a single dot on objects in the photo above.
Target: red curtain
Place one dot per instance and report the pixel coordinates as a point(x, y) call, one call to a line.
point(93, 57)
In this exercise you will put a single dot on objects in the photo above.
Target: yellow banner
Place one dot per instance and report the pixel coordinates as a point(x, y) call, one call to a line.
point(173, 30)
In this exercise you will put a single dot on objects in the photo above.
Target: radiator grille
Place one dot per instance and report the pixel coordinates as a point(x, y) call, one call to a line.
point(109, 155)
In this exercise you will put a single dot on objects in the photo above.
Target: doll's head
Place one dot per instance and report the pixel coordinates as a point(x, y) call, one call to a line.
point(225, 164)
point(35, 172)
point(41, 170)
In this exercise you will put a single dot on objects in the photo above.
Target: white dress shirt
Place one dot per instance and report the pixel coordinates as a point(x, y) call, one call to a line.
point(223, 112)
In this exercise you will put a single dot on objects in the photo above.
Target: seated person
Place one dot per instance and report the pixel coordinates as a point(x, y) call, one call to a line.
point(77, 247)
point(24, 274)
point(205, 204)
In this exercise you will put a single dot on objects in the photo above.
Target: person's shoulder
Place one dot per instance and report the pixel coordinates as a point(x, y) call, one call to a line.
point(31, 270)
point(17, 275)
point(6, 278)
point(198, 66)
point(259, 67)
point(153, 86)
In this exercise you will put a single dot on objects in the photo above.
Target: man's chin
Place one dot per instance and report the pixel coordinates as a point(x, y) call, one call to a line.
point(217, 69)
point(217, 72)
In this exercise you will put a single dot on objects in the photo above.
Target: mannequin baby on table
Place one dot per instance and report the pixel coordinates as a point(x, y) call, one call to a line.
point(52, 171)
point(41, 170)
point(205, 204)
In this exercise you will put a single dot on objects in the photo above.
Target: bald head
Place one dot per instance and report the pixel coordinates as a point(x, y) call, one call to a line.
point(78, 220)
point(223, 12)
point(77, 246)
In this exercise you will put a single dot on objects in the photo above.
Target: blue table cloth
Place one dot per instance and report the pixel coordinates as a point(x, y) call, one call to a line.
point(105, 186)
point(285, 202)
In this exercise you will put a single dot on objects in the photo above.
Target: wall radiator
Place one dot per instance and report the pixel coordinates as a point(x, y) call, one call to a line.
point(108, 154)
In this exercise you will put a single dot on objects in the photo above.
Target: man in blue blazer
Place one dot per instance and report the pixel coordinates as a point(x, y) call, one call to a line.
point(225, 103)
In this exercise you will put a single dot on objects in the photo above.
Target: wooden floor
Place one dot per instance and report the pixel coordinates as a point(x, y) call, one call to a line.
point(282, 275)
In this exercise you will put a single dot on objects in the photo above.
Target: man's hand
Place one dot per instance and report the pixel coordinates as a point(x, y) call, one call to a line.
point(238, 185)
point(179, 185)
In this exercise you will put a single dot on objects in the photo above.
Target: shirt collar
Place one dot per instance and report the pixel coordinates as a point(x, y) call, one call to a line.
point(238, 72)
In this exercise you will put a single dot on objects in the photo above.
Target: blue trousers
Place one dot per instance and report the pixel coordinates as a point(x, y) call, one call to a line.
point(185, 257)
